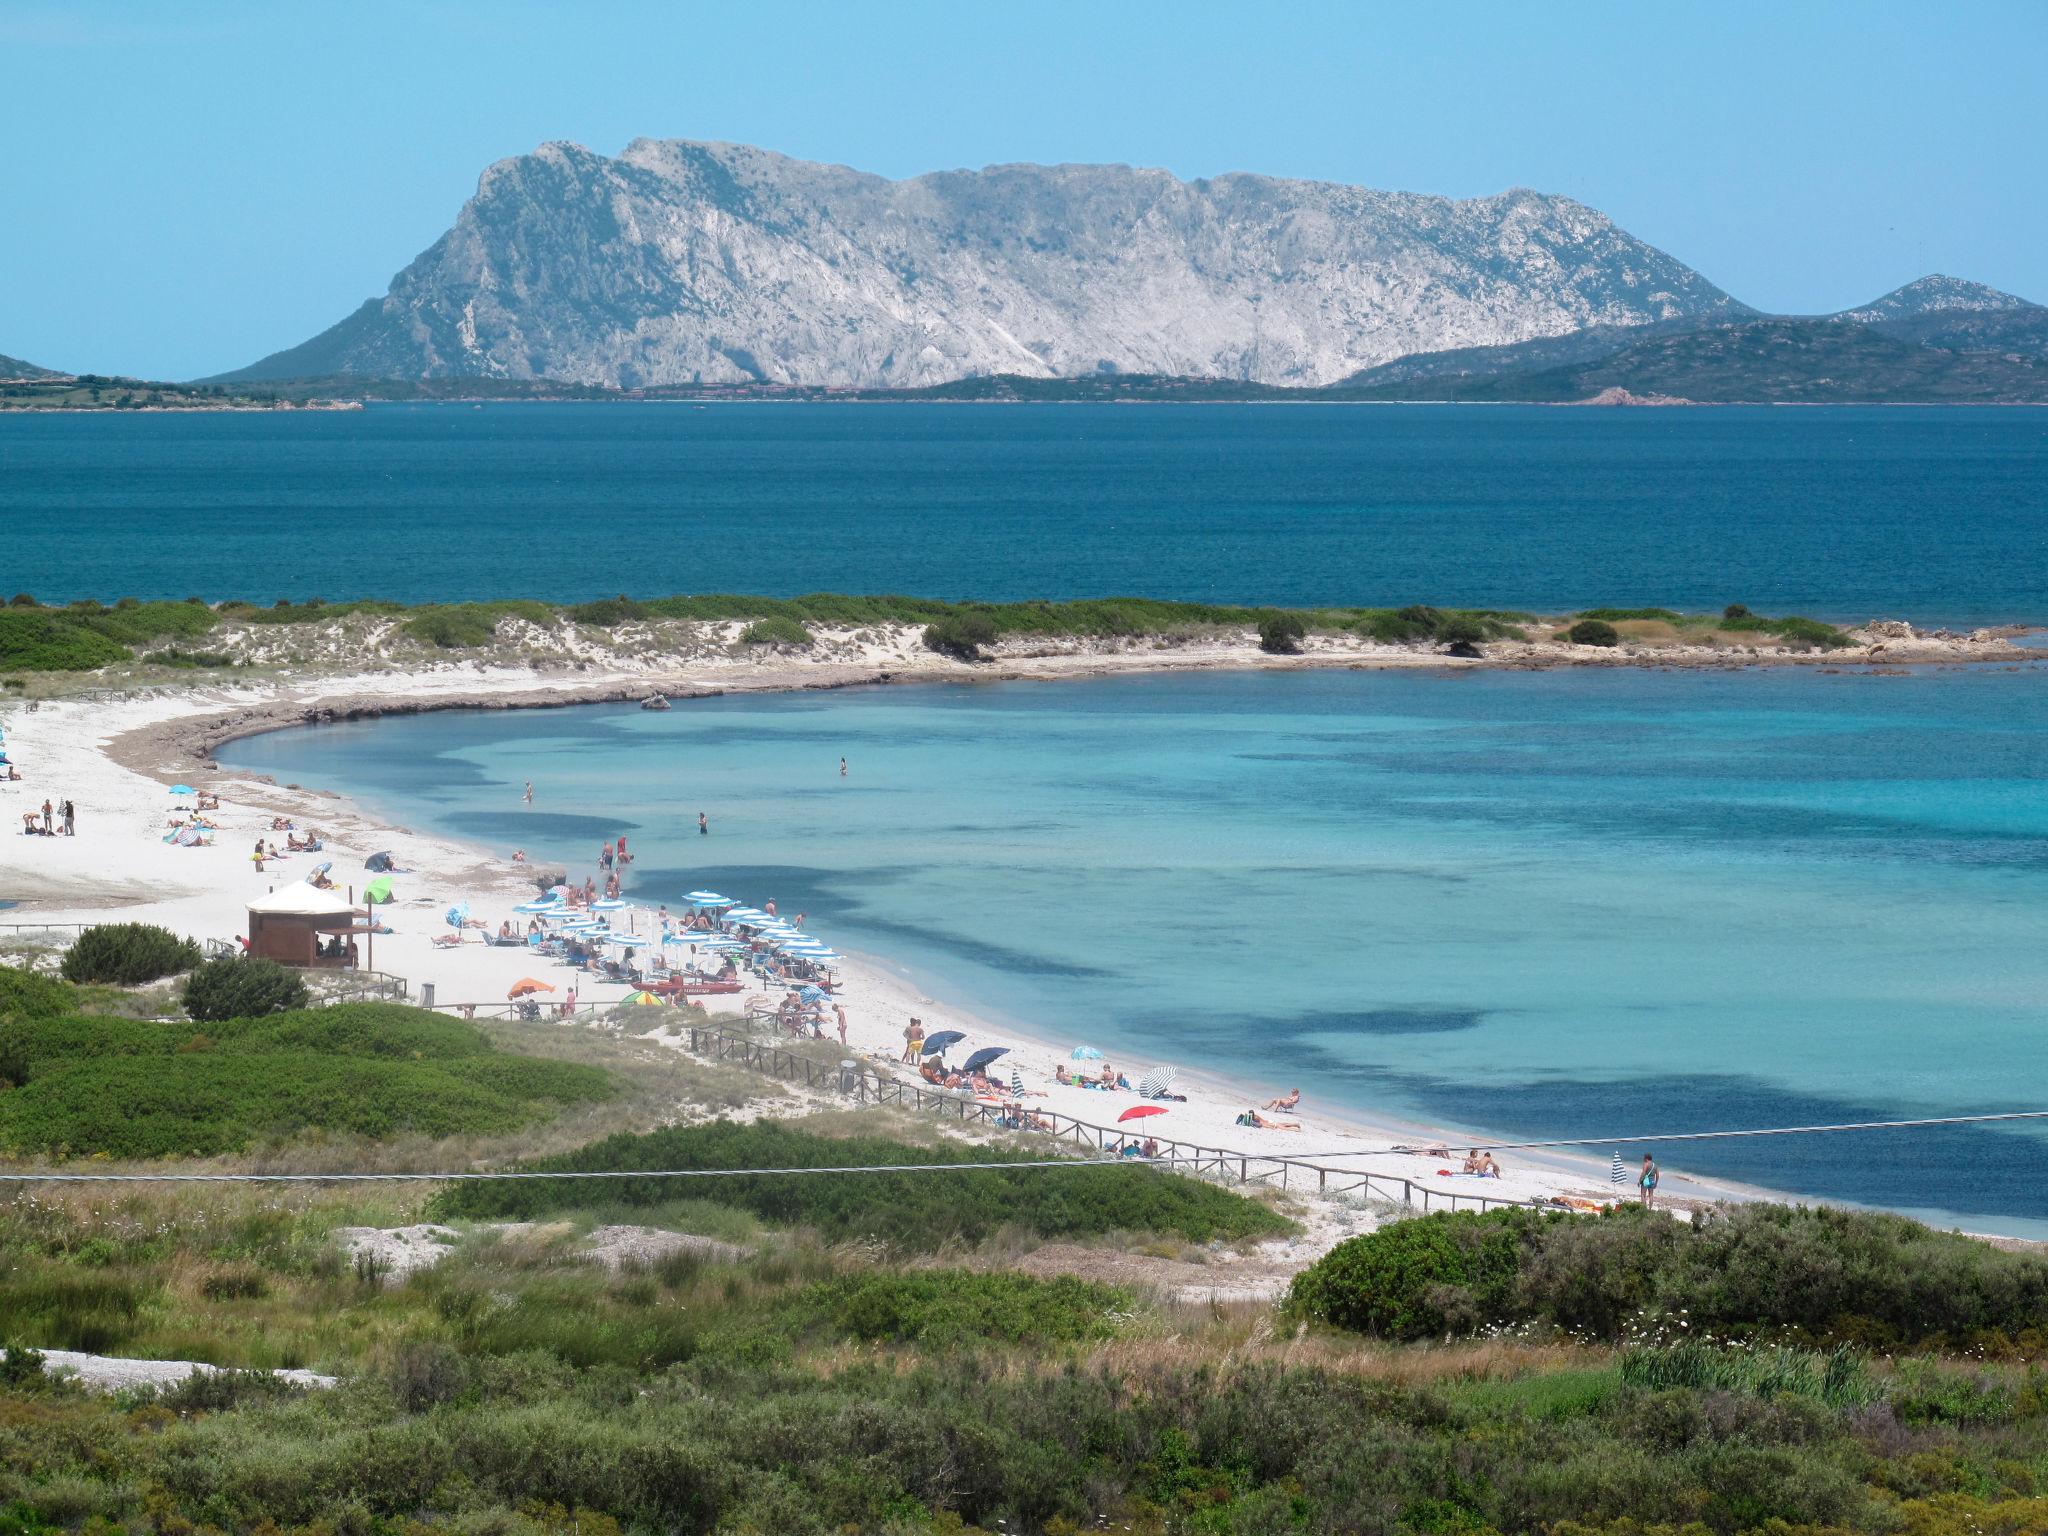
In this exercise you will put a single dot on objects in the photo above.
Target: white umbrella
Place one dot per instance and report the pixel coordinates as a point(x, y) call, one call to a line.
point(1156, 1081)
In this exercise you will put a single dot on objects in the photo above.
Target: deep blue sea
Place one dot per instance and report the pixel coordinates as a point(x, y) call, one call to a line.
point(1938, 515)
point(1545, 904)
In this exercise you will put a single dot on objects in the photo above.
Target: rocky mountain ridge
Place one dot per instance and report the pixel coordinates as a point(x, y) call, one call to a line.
point(690, 263)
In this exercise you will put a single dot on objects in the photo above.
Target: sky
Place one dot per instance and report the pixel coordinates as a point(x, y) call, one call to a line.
point(187, 188)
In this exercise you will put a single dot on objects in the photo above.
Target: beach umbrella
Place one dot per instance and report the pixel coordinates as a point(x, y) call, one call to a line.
point(625, 940)
point(944, 1040)
point(378, 890)
point(1084, 1053)
point(810, 994)
point(980, 1060)
point(377, 861)
point(1139, 1112)
point(1156, 1081)
point(1616, 1173)
point(644, 1000)
point(538, 906)
point(183, 789)
point(708, 899)
point(458, 914)
point(610, 904)
point(323, 867)
point(526, 985)
point(1016, 1082)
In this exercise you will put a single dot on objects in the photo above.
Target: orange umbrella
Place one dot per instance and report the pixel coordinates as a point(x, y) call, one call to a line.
point(527, 984)
point(1139, 1112)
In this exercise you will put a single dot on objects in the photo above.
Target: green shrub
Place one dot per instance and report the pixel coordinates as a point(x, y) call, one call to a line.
point(40, 641)
point(1815, 1274)
point(26, 995)
point(128, 954)
point(461, 627)
point(961, 635)
point(1415, 1278)
point(20, 1366)
point(921, 1210)
point(1282, 633)
point(951, 1308)
point(172, 656)
point(241, 986)
point(1735, 611)
point(609, 612)
point(1623, 615)
point(776, 630)
point(1593, 632)
point(1462, 630)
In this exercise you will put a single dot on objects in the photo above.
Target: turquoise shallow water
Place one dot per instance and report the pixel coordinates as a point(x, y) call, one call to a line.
point(1540, 903)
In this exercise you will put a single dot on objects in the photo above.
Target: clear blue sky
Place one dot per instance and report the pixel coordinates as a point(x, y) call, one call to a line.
point(187, 188)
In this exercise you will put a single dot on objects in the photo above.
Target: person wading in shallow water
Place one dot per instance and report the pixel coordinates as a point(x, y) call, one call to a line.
point(703, 826)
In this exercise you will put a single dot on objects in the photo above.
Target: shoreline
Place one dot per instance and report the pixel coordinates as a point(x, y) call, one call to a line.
point(133, 747)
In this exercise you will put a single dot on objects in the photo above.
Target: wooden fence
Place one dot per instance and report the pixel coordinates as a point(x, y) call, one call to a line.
point(1222, 1164)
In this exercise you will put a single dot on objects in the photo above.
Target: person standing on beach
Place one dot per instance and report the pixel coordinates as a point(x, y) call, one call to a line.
point(70, 818)
point(46, 817)
point(840, 1010)
point(1646, 1181)
point(703, 826)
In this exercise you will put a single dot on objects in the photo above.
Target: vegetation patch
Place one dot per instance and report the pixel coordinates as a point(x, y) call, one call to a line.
point(242, 986)
point(90, 1085)
point(777, 629)
point(128, 954)
point(910, 1210)
point(1790, 1272)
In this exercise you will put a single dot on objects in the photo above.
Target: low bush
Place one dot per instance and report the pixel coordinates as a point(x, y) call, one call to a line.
point(138, 1088)
point(172, 656)
point(1414, 1279)
point(1593, 632)
point(460, 627)
point(26, 995)
point(1282, 633)
point(1736, 611)
point(1808, 1274)
point(775, 631)
point(1625, 615)
point(241, 986)
point(961, 635)
point(1462, 631)
point(955, 1308)
point(128, 954)
point(35, 640)
point(608, 612)
point(915, 1210)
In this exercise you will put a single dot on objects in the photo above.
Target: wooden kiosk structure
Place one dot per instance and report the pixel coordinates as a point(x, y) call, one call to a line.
point(287, 926)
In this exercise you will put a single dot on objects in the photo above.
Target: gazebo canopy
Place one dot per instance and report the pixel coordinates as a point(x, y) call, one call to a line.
point(302, 900)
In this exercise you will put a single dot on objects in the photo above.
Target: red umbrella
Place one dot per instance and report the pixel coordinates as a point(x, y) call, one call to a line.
point(1139, 1112)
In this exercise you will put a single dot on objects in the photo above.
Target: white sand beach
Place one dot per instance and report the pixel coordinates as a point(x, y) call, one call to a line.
point(115, 757)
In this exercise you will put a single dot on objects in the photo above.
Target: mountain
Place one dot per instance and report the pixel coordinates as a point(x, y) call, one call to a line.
point(1810, 361)
point(680, 262)
point(1935, 339)
point(15, 368)
point(1935, 294)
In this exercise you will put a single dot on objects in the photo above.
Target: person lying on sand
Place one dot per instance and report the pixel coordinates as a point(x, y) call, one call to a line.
point(447, 940)
point(1292, 1100)
point(1253, 1118)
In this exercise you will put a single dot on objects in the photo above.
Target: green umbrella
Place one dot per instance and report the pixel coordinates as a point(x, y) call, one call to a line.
point(378, 890)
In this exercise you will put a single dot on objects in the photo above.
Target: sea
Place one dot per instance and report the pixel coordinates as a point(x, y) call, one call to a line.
point(1533, 904)
point(1536, 904)
point(1939, 515)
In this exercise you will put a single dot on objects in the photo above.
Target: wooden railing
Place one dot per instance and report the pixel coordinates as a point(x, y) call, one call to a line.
point(1223, 1164)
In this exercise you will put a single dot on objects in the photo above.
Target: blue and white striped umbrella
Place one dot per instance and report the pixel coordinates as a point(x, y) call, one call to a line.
point(610, 904)
point(709, 899)
point(1617, 1174)
point(626, 940)
point(538, 906)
